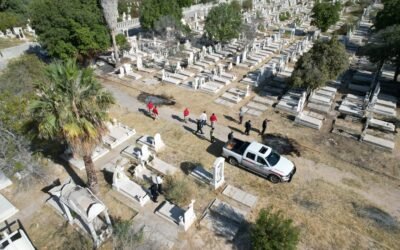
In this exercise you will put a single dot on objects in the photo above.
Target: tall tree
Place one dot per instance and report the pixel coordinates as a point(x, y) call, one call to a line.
point(73, 28)
point(384, 47)
point(223, 23)
point(325, 14)
point(152, 10)
point(390, 15)
point(72, 107)
point(325, 61)
point(272, 231)
point(110, 11)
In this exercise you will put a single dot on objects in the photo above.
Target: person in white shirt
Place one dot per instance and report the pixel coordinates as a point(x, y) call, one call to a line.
point(203, 118)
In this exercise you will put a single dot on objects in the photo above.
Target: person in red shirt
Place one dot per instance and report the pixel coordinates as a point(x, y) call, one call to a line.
point(155, 112)
point(213, 119)
point(185, 114)
point(150, 107)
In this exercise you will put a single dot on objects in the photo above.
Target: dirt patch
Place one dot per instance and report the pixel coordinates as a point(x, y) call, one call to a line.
point(378, 216)
point(282, 144)
point(158, 100)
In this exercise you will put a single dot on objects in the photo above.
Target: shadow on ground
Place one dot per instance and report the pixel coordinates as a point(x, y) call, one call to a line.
point(215, 148)
point(188, 167)
point(379, 217)
point(282, 144)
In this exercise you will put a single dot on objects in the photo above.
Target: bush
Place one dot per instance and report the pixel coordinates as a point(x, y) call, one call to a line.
point(178, 190)
point(123, 235)
point(272, 231)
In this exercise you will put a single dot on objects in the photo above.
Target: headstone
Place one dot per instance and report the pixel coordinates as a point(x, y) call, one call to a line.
point(178, 67)
point(188, 217)
point(139, 63)
point(196, 83)
point(237, 60)
point(230, 66)
point(247, 90)
point(218, 172)
point(158, 142)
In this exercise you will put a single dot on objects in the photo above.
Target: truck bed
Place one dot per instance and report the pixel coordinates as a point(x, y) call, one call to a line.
point(237, 146)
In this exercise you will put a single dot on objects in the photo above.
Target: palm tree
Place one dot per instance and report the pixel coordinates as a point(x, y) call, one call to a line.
point(110, 12)
point(72, 106)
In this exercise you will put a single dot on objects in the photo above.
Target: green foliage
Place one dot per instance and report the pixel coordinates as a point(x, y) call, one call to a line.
point(178, 190)
point(123, 235)
point(247, 4)
point(152, 10)
point(284, 16)
point(390, 15)
point(9, 20)
point(184, 3)
point(123, 7)
point(16, 6)
point(272, 231)
point(73, 28)
point(325, 61)
point(122, 42)
point(385, 47)
point(325, 14)
point(223, 22)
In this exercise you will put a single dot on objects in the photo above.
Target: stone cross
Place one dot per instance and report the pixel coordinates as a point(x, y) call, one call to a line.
point(218, 172)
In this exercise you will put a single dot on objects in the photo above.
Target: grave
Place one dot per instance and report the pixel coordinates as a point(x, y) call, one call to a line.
point(140, 155)
point(129, 188)
point(240, 196)
point(216, 179)
point(378, 142)
point(154, 143)
point(305, 119)
point(223, 219)
point(162, 167)
point(376, 123)
point(177, 215)
point(118, 134)
point(7, 210)
point(77, 162)
point(15, 240)
point(4, 181)
point(70, 199)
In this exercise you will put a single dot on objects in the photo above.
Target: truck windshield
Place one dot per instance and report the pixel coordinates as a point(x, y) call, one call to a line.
point(273, 158)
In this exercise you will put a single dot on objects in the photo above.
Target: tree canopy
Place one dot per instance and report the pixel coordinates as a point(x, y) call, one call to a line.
point(272, 231)
point(385, 47)
point(152, 10)
point(223, 23)
point(325, 61)
point(390, 15)
point(73, 28)
point(325, 14)
point(72, 107)
point(13, 13)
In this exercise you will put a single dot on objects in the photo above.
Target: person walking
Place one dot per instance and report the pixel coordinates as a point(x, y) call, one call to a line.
point(247, 126)
point(241, 114)
point(199, 127)
point(155, 112)
point(159, 182)
point(203, 118)
point(154, 192)
point(230, 136)
point(185, 114)
point(213, 119)
point(150, 107)
point(264, 126)
point(212, 138)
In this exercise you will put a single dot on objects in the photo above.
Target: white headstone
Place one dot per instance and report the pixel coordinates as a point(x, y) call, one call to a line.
point(139, 63)
point(158, 143)
point(195, 83)
point(188, 217)
point(218, 172)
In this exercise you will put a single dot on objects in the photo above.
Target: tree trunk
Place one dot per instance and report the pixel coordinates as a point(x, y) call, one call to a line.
point(116, 54)
point(91, 174)
point(396, 73)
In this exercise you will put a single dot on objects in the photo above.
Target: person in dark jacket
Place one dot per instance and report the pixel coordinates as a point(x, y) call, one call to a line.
point(199, 127)
point(264, 126)
point(154, 192)
point(247, 127)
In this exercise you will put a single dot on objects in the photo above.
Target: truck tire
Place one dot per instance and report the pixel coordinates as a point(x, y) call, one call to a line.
point(274, 179)
point(233, 161)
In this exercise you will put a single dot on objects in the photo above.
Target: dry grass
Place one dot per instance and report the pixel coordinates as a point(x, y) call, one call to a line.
point(7, 43)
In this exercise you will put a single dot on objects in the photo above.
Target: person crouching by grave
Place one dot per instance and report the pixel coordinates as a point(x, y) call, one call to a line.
point(154, 192)
point(185, 114)
point(159, 182)
point(241, 114)
point(203, 118)
point(155, 112)
point(213, 119)
point(150, 107)
point(212, 138)
point(199, 127)
point(247, 127)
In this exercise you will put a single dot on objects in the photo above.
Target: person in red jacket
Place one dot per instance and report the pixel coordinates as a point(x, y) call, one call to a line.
point(150, 107)
point(155, 112)
point(185, 114)
point(213, 119)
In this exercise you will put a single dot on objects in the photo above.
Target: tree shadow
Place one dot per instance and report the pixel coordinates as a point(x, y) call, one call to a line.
point(108, 176)
point(215, 148)
point(242, 239)
point(282, 144)
point(188, 167)
point(380, 218)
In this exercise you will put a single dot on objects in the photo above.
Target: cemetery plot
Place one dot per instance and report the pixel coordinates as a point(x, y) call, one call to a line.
point(7, 210)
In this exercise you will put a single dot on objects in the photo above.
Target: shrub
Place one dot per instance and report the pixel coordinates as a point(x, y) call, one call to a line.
point(178, 190)
point(272, 231)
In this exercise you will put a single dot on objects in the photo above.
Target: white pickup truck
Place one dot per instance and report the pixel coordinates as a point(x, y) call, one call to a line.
point(260, 159)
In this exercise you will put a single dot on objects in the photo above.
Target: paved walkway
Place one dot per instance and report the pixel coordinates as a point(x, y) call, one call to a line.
point(13, 52)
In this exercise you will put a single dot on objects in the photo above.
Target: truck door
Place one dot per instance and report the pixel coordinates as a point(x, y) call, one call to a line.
point(263, 167)
point(249, 160)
